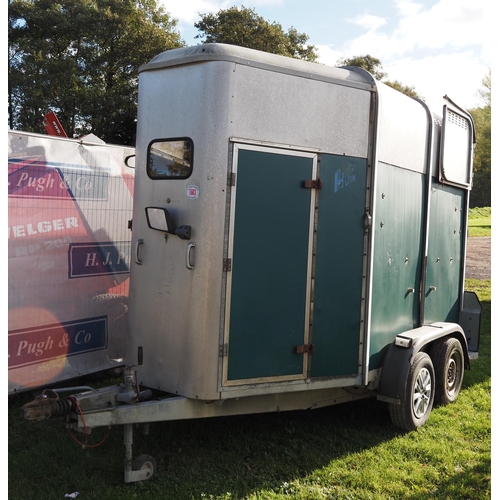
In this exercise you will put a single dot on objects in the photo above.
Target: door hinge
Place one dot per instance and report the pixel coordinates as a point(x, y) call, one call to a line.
point(223, 350)
point(305, 349)
point(231, 179)
point(313, 183)
point(227, 265)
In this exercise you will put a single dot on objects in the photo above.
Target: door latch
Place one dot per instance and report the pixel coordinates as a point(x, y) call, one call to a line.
point(305, 349)
point(313, 184)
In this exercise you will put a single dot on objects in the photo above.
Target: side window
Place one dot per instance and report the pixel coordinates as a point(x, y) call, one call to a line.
point(457, 137)
point(170, 158)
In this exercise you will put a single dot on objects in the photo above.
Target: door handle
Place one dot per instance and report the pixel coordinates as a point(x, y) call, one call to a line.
point(138, 244)
point(189, 253)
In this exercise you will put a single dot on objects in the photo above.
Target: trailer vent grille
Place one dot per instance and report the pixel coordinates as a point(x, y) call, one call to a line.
point(458, 120)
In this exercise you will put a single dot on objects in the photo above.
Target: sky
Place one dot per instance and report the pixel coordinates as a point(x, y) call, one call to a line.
point(440, 47)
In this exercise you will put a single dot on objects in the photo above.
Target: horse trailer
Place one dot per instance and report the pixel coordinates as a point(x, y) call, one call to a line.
point(298, 240)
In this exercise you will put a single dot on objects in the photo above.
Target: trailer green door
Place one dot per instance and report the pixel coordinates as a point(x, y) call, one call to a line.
point(270, 264)
point(445, 261)
point(398, 226)
point(338, 271)
point(294, 287)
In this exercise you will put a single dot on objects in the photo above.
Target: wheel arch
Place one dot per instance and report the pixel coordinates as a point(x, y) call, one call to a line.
point(399, 356)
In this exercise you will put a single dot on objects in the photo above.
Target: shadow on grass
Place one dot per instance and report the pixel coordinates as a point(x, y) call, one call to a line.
point(472, 483)
point(226, 457)
point(243, 454)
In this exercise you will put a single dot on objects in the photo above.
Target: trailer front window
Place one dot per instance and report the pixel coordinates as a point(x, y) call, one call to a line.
point(170, 158)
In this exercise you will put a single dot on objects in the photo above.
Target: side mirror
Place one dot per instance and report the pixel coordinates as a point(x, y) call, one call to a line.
point(161, 220)
point(129, 161)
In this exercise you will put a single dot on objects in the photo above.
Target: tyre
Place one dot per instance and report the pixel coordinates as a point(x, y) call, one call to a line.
point(145, 462)
point(416, 404)
point(114, 305)
point(448, 359)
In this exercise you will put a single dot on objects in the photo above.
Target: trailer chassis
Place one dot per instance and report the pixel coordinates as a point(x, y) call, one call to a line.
point(126, 404)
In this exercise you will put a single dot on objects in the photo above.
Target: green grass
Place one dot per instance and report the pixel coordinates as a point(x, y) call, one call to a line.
point(349, 451)
point(480, 221)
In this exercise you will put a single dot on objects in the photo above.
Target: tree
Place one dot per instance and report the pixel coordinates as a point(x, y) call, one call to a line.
point(368, 63)
point(80, 58)
point(481, 192)
point(243, 27)
point(374, 66)
point(404, 89)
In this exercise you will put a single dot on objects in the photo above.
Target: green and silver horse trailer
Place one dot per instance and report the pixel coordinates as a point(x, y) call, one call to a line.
point(298, 240)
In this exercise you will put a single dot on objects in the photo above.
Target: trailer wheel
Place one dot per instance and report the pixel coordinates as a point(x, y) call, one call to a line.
point(448, 358)
point(145, 462)
point(416, 404)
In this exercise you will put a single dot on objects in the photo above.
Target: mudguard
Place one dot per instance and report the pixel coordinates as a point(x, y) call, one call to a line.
point(401, 352)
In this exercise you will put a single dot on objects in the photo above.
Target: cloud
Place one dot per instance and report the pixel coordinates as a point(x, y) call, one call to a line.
point(447, 25)
point(327, 55)
point(369, 22)
point(452, 23)
point(435, 76)
point(407, 8)
point(374, 43)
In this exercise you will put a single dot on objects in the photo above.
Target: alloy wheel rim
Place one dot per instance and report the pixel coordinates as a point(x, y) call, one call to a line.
point(422, 392)
point(452, 374)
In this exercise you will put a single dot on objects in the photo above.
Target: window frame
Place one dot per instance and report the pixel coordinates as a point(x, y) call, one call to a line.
point(168, 177)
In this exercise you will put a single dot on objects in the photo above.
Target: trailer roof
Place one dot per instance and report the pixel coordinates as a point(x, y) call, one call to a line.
point(350, 76)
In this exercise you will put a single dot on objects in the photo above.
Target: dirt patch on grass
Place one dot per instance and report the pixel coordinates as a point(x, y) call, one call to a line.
point(478, 265)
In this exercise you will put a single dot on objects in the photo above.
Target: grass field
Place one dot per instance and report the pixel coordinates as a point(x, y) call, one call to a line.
point(480, 221)
point(348, 451)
